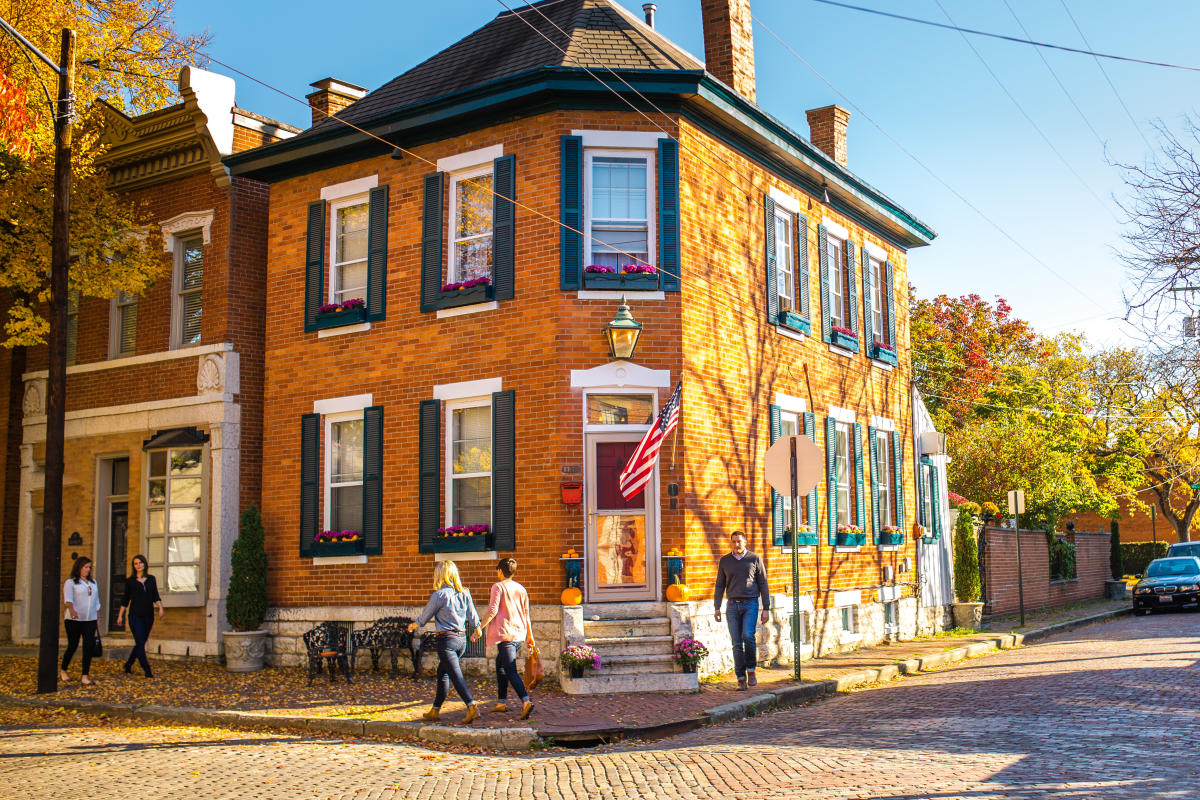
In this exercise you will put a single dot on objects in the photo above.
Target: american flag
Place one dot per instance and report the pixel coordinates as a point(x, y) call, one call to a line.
point(640, 468)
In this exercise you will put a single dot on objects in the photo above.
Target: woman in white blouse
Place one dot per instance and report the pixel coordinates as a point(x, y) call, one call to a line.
point(82, 598)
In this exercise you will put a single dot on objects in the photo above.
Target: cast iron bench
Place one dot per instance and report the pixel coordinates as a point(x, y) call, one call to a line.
point(327, 642)
point(389, 633)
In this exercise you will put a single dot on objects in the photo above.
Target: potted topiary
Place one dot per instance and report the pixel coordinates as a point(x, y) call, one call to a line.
point(968, 611)
point(246, 605)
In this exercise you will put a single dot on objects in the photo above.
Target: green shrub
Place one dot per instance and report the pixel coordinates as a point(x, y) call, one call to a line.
point(1116, 563)
point(246, 605)
point(966, 560)
point(1137, 555)
point(1062, 558)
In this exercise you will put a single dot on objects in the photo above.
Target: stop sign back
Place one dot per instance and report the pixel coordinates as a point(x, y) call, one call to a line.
point(810, 465)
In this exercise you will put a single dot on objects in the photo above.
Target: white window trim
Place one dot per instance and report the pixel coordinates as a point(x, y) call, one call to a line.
point(890, 548)
point(842, 271)
point(620, 373)
point(114, 328)
point(787, 402)
point(334, 207)
point(869, 286)
point(883, 423)
point(785, 201)
point(186, 222)
point(621, 151)
point(850, 597)
point(633, 140)
point(465, 390)
point(341, 405)
point(471, 159)
point(842, 414)
point(179, 599)
point(789, 219)
point(803, 549)
point(337, 191)
point(877, 252)
point(176, 340)
point(836, 229)
point(327, 422)
point(791, 334)
point(466, 174)
point(342, 330)
point(612, 294)
point(630, 390)
point(448, 409)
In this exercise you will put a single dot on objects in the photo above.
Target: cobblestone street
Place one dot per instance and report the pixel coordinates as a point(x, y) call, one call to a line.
point(1109, 711)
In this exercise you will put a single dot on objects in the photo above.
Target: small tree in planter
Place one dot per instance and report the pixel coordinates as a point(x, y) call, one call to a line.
point(968, 611)
point(246, 604)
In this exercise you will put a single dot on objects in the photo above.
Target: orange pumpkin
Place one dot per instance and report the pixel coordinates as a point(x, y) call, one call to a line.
point(571, 596)
point(677, 593)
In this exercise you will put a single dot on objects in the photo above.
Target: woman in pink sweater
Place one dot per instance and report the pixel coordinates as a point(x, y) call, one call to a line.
point(507, 625)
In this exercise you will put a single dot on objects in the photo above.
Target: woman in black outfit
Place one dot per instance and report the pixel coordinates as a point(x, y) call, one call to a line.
point(140, 600)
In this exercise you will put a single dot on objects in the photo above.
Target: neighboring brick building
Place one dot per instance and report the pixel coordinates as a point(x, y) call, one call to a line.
point(1136, 525)
point(431, 406)
point(164, 391)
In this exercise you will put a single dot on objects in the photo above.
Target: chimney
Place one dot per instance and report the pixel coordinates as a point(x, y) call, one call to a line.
point(729, 43)
point(331, 96)
point(827, 130)
point(648, 9)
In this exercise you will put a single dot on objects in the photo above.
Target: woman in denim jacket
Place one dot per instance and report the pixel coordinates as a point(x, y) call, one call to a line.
point(453, 612)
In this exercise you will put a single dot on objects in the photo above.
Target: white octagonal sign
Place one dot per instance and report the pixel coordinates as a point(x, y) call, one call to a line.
point(810, 465)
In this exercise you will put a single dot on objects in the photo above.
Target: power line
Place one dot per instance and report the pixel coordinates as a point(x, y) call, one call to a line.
point(1047, 411)
point(1016, 39)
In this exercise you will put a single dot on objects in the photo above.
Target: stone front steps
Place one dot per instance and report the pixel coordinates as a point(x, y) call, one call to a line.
point(635, 646)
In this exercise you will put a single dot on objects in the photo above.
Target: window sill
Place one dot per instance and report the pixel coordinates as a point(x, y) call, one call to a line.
point(791, 334)
point(331, 561)
point(846, 548)
point(849, 638)
point(486, 555)
point(447, 313)
point(840, 351)
point(605, 294)
point(338, 319)
point(890, 548)
point(458, 298)
point(881, 365)
point(635, 282)
point(803, 549)
point(343, 330)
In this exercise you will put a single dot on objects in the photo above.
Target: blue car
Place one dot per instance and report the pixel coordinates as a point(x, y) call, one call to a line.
point(1168, 583)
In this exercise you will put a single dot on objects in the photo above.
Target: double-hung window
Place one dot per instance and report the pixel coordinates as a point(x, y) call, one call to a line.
point(884, 479)
point(839, 290)
point(844, 475)
point(176, 521)
point(785, 276)
point(620, 220)
point(123, 340)
point(469, 462)
point(344, 468)
point(471, 225)
point(189, 289)
point(879, 305)
point(348, 250)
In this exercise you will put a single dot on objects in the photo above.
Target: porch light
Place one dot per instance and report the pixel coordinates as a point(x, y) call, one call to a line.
point(623, 333)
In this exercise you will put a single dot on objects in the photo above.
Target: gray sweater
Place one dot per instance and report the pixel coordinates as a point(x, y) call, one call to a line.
point(742, 579)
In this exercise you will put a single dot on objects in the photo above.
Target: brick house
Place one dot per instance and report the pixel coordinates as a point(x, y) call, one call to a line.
point(164, 391)
point(513, 156)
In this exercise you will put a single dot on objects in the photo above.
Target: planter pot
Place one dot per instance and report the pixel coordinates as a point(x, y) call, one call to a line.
point(245, 651)
point(803, 539)
point(844, 340)
point(1115, 590)
point(466, 297)
point(850, 539)
point(338, 548)
point(689, 668)
point(633, 282)
point(790, 319)
point(576, 672)
point(336, 319)
point(891, 537)
point(476, 543)
point(883, 354)
point(967, 615)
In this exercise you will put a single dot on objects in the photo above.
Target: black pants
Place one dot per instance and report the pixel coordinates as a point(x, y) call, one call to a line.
point(140, 626)
point(450, 649)
point(76, 630)
point(507, 672)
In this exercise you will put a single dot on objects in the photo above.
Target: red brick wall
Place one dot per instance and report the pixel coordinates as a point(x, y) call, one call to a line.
point(1135, 523)
point(1001, 592)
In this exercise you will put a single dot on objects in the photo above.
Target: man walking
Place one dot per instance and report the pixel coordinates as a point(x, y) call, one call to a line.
point(742, 580)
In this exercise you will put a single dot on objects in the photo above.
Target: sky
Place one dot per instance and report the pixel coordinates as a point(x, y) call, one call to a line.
point(1016, 173)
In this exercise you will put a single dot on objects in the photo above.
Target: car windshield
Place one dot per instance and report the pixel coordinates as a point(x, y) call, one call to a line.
point(1186, 549)
point(1166, 567)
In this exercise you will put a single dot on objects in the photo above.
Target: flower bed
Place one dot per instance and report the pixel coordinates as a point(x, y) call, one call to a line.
point(631, 277)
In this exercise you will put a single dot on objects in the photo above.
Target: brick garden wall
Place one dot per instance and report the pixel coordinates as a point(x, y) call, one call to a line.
point(999, 555)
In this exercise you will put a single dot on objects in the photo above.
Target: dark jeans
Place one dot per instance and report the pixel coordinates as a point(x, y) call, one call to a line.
point(140, 627)
point(76, 630)
point(742, 618)
point(450, 649)
point(507, 672)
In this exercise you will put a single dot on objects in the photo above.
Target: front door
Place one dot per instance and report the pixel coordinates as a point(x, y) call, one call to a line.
point(118, 528)
point(622, 535)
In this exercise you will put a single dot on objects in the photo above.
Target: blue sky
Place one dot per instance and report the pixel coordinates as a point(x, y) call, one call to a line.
point(924, 87)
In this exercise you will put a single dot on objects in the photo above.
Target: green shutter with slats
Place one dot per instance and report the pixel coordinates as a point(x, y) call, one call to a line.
point(860, 505)
point(898, 479)
point(504, 227)
point(429, 475)
point(314, 264)
point(504, 470)
point(831, 507)
point(922, 497)
point(777, 520)
point(823, 264)
point(772, 267)
point(570, 232)
point(852, 289)
point(310, 481)
point(803, 293)
point(431, 241)
point(377, 237)
point(372, 491)
point(935, 498)
point(868, 320)
point(891, 306)
point(669, 245)
point(810, 430)
point(873, 441)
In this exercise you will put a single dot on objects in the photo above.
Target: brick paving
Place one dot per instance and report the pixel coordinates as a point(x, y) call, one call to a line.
point(1106, 712)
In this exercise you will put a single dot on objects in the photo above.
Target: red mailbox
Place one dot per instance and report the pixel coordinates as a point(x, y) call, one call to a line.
point(572, 493)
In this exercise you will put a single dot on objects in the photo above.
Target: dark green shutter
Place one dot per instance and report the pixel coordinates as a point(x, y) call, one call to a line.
point(772, 267)
point(372, 491)
point(310, 481)
point(823, 264)
point(777, 520)
point(891, 306)
point(860, 505)
point(873, 441)
point(669, 260)
point(803, 293)
point(504, 470)
point(504, 227)
point(429, 475)
point(810, 430)
point(922, 496)
point(831, 476)
point(314, 265)
point(431, 241)
point(852, 289)
point(935, 500)
point(898, 479)
point(377, 236)
point(868, 322)
point(571, 213)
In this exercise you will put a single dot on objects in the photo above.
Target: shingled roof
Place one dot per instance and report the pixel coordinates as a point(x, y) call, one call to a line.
point(596, 34)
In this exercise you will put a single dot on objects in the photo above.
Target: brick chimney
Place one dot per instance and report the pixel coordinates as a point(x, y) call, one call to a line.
point(827, 130)
point(729, 43)
point(331, 96)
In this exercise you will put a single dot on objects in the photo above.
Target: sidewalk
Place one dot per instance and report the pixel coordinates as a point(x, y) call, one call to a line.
point(377, 704)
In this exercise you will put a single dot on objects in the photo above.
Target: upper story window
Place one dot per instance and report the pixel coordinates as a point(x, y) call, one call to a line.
point(471, 225)
point(877, 286)
point(839, 282)
point(344, 470)
point(72, 324)
point(785, 277)
point(123, 327)
point(189, 291)
point(619, 218)
point(469, 462)
point(175, 518)
point(348, 250)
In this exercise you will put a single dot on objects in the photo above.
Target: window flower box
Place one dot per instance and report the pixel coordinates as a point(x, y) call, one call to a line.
point(335, 315)
point(468, 293)
point(338, 543)
point(891, 535)
point(844, 337)
point(790, 319)
point(632, 277)
point(463, 539)
point(850, 536)
point(883, 352)
point(805, 538)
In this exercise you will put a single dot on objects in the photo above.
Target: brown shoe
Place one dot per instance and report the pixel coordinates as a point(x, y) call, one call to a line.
point(431, 715)
point(750, 678)
point(472, 714)
point(741, 684)
point(527, 709)
point(499, 708)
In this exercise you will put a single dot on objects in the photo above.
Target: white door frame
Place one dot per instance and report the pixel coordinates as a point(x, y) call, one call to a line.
point(591, 582)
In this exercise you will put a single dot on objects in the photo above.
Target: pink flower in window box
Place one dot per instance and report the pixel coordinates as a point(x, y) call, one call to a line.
point(844, 331)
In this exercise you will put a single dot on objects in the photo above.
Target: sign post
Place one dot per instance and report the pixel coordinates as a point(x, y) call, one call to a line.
point(1016, 504)
point(794, 465)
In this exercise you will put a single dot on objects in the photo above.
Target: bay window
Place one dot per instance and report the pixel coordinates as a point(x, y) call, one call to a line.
point(176, 519)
